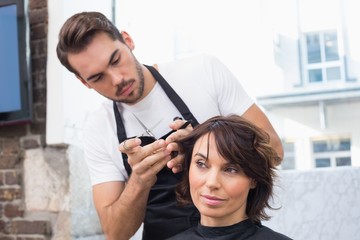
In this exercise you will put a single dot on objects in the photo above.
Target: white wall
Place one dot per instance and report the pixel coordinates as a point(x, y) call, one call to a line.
point(231, 30)
point(68, 101)
point(68, 104)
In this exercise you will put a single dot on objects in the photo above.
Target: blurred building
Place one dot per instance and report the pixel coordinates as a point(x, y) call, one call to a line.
point(318, 52)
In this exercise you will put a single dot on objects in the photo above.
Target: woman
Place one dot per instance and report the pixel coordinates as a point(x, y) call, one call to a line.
point(229, 174)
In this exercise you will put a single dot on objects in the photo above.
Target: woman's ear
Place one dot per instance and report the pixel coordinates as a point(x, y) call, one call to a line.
point(253, 184)
point(128, 40)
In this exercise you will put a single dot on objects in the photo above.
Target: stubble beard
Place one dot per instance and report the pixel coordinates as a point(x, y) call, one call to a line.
point(135, 96)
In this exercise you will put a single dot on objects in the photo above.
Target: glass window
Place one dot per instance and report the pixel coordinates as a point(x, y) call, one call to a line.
point(332, 152)
point(345, 144)
point(333, 73)
point(331, 46)
point(315, 75)
point(322, 162)
point(289, 156)
point(322, 55)
point(320, 146)
point(331, 145)
point(343, 161)
point(313, 48)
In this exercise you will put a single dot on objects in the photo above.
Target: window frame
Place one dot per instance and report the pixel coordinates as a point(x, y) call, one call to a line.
point(331, 154)
point(323, 65)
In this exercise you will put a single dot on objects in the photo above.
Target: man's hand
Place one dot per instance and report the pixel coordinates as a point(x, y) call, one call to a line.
point(145, 161)
point(176, 163)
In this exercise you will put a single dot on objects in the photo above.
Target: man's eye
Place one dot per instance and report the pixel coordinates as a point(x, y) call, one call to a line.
point(99, 77)
point(116, 61)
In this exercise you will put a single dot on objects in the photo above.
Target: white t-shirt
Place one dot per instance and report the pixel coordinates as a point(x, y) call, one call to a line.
point(206, 86)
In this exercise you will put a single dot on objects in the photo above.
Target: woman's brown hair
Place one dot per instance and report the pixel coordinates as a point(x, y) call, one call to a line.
point(239, 142)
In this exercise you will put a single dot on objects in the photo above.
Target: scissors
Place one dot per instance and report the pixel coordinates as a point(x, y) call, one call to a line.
point(144, 127)
point(151, 138)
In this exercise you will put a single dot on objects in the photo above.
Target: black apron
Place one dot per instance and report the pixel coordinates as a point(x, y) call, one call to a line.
point(163, 217)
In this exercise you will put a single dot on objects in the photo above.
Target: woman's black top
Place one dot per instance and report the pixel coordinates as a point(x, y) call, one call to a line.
point(239, 231)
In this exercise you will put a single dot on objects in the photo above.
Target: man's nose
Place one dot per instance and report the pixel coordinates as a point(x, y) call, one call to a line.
point(116, 77)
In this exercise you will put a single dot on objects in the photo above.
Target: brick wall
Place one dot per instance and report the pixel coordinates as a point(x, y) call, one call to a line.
point(14, 140)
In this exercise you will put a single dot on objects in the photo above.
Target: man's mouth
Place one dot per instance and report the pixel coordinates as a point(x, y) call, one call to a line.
point(125, 90)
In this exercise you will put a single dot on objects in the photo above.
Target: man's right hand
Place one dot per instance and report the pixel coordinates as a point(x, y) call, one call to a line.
point(145, 161)
point(121, 206)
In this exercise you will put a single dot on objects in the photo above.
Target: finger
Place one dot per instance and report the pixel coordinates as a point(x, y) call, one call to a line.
point(145, 171)
point(180, 133)
point(152, 164)
point(171, 147)
point(150, 149)
point(178, 168)
point(125, 147)
point(160, 164)
point(140, 154)
point(129, 145)
point(177, 123)
point(176, 164)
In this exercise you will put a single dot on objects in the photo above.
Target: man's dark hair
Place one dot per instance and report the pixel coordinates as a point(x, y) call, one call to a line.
point(79, 30)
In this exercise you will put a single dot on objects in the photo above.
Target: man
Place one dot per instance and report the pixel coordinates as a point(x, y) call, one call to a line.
point(135, 185)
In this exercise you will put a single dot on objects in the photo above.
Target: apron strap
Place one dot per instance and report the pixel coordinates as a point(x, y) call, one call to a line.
point(173, 96)
point(121, 134)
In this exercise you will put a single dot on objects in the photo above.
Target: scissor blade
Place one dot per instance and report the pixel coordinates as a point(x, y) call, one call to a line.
point(143, 126)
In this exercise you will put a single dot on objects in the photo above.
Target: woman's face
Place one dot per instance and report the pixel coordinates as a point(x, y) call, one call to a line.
point(218, 188)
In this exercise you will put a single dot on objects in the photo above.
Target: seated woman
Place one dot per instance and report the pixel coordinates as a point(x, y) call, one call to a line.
point(229, 176)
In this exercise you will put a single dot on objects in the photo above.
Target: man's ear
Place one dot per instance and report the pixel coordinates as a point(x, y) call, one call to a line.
point(83, 82)
point(128, 40)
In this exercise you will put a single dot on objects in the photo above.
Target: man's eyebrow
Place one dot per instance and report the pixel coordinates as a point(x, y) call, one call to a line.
point(110, 61)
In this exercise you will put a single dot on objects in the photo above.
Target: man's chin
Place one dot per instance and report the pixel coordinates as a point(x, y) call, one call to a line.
point(129, 100)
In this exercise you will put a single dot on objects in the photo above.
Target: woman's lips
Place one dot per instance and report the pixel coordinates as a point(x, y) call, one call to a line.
point(212, 200)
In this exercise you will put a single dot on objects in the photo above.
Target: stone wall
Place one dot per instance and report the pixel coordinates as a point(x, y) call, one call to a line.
point(24, 145)
point(318, 204)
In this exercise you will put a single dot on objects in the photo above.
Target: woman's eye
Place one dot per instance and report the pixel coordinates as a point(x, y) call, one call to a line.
point(232, 170)
point(201, 164)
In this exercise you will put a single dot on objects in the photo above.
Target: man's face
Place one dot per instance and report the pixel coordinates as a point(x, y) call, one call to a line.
point(110, 68)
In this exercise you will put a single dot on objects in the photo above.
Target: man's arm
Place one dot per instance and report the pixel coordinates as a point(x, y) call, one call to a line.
point(258, 117)
point(121, 206)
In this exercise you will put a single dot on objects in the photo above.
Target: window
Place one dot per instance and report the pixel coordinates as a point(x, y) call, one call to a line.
point(332, 152)
point(323, 62)
point(289, 155)
point(15, 78)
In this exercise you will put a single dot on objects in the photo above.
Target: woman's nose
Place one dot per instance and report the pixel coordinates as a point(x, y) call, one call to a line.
point(213, 179)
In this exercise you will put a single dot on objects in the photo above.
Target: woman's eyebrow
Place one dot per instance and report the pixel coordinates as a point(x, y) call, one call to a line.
point(200, 154)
